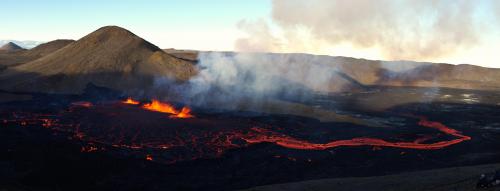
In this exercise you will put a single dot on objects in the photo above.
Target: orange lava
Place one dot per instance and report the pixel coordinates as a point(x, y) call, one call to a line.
point(215, 142)
point(185, 113)
point(131, 101)
point(158, 106)
point(149, 157)
point(263, 135)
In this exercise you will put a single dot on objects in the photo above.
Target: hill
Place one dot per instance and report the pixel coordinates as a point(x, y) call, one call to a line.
point(26, 44)
point(116, 58)
point(354, 72)
point(14, 58)
point(111, 56)
point(47, 48)
point(9, 47)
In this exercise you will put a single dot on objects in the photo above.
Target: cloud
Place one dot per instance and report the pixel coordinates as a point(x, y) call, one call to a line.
point(409, 29)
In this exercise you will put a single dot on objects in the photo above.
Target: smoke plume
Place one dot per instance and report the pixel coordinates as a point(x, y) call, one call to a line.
point(408, 29)
point(399, 30)
point(254, 77)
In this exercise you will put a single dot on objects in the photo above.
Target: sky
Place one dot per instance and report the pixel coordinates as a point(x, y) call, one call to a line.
point(182, 24)
point(451, 31)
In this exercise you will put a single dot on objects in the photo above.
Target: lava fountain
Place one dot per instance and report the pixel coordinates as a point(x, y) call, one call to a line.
point(131, 101)
point(162, 107)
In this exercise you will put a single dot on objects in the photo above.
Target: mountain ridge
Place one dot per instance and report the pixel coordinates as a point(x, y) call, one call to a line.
point(116, 58)
point(110, 56)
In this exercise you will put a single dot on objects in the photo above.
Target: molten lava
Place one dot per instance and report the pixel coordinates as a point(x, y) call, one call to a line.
point(176, 143)
point(185, 113)
point(149, 157)
point(158, 106)
point(262, 135)
point(131, 101)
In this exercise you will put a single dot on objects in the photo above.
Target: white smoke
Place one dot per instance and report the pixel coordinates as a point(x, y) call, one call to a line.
point(400, 30)
point(235, 77)
point(406, 29)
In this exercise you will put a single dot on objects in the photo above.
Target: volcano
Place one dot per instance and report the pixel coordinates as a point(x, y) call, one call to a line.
point(111, 56)
point(87, 115)
point(9, 47)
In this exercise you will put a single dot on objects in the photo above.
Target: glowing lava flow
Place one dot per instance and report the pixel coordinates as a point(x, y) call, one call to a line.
point(184, 113)
point(176, 143)
point(131, 101)
point(263, 135)
point(158, 106)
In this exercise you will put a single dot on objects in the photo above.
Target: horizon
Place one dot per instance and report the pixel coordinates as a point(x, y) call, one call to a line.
point(262, 26)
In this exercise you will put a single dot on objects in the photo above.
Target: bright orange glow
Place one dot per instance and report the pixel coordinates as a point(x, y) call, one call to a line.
point(131, 101)
point(185, 113)
point(156, 105)
point(149, 157)
point(163, 107)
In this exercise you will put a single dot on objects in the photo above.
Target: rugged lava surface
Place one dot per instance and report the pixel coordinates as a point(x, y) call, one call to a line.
point(158, 131)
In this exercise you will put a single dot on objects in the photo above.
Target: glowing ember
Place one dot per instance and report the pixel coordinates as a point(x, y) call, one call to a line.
point(185, 113)
point(149, 157)
point(88, 149)
point(131, 101)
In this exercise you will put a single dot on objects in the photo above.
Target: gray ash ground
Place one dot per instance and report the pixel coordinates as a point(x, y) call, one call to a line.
point(115, 141)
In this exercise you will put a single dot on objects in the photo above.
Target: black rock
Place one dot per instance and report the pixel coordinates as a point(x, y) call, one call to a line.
point(489, 180)
point(97, 93)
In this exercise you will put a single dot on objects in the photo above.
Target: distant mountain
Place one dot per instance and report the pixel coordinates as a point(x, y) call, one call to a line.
point(26, 44)
point(49, 47)
point(10, 47)
point(116, 58)
point(111, 56)
point(14, 58)
point(355, 73)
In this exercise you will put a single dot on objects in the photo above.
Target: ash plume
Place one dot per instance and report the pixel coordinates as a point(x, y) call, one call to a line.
point(409, 29)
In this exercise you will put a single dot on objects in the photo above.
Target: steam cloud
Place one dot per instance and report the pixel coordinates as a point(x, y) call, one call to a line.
point(409, 29)
point(254, 77)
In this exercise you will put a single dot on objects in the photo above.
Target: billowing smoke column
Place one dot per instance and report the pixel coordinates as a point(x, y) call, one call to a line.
point(252, 77)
